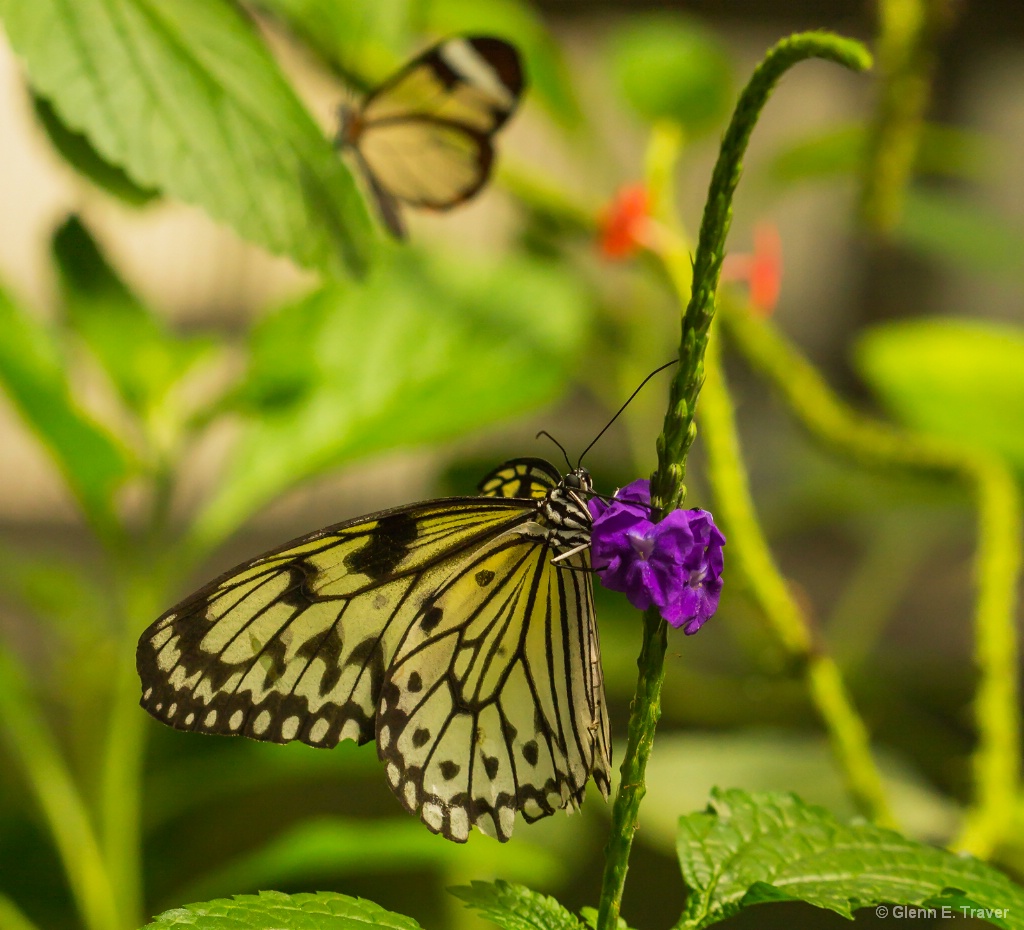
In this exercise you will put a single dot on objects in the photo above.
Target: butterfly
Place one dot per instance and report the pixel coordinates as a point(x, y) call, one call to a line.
point(423, 137)
point(458, 633)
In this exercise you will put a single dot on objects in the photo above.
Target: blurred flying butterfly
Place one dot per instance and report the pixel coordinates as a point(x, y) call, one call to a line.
point(423, 137)
point(458, 633)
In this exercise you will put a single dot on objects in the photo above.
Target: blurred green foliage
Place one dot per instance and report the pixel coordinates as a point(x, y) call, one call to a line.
point(420, 347)
point(673, 68)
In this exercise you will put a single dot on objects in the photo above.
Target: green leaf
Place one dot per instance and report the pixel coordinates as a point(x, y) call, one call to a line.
point(141, 357)
point(57, 590)
point(751, 848)
point(185, 97)
point(962, 380)
point(589, 915)
point(547, 74)
point(326, 848)
point(964, 234)
point(11, 917)
point(32, 372)
point(513, 907)
point(945, 151)
point(671, 67)
point(425, 351)
point(272, 910)
point(78, 152)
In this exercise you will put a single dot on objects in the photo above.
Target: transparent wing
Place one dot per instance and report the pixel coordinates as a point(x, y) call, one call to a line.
point(472, 81)
point(494, 701)
point(427, 163)
point(424, 136)
point(294, 645)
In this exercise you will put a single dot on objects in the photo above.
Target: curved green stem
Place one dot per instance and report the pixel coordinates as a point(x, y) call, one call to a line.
point(667, 487)
point(997, 560)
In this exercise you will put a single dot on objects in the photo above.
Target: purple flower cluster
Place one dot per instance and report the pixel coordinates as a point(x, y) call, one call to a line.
point(675, 565)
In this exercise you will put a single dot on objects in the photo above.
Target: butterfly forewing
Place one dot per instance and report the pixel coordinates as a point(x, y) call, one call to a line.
point(292, 644)
point(474, 81)
point(444, 630)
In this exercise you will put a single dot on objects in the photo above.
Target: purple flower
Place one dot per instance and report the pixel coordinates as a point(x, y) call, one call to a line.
point(675, 565)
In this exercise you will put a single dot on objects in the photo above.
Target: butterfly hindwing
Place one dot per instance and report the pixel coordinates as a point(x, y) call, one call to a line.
point(527, 478)
point(502, 662)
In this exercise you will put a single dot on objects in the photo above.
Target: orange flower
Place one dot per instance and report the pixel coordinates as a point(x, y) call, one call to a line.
point(624, 224)
point(762, 270)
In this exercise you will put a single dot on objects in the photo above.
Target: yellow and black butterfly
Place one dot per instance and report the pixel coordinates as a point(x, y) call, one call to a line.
point(459, 633)
point(424, 136)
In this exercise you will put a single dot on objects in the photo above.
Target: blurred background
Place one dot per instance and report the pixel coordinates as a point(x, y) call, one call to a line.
point(258, 402)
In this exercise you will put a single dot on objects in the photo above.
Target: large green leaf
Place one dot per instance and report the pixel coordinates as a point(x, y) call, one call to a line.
point(425, 351)
point(323, 849)
point(752, 848)
point(78, 152)
point(964, 234)
point(962, 380)
point(513, 907)
point(272, 910)
point(141, 357)
point(184, 96)
point(32, 373)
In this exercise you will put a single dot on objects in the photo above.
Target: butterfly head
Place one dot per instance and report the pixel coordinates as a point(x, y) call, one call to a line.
point(578, 480)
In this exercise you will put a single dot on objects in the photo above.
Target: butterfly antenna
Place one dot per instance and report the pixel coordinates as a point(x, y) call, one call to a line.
point(660, 368)
point(565, 454)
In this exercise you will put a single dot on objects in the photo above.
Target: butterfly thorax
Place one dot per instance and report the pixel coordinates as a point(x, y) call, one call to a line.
point(350, 125)
point(564, 511)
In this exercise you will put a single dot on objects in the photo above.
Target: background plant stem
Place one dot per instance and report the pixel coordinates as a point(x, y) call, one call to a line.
point(667, 483)
point(60, 801)
point(749, 552)
point(908, 32)
point(997, 562)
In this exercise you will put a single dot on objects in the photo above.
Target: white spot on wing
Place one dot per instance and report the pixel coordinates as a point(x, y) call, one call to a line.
point(236, 720)
point(319, 729)
point(289, 728)
point(459, 824)
point(261, 722)
point(433, 816)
